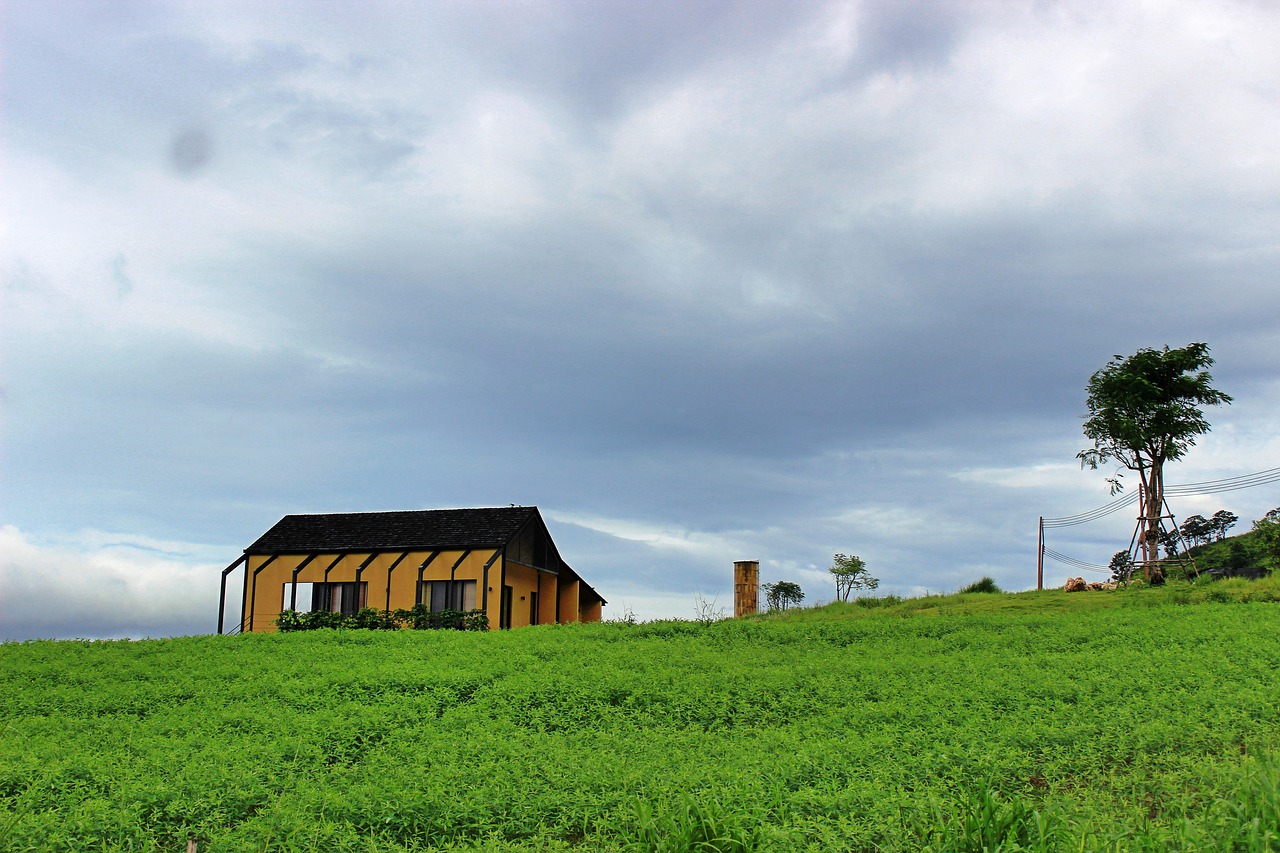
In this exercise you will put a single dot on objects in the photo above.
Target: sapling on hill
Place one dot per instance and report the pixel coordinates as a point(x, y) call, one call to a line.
point(851, 574)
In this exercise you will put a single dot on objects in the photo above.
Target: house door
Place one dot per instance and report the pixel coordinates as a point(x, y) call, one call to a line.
point(504, 615)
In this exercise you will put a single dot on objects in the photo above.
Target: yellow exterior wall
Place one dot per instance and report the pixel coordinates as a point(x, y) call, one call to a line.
point(523, 581)
point(591, 612)
point(569, 601)
point(266, 593)
point(548, 589)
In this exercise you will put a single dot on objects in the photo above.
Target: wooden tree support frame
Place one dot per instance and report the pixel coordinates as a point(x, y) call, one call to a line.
point(1182, 554)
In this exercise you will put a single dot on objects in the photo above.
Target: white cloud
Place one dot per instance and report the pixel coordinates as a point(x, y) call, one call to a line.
point(1031, 476)
point(887, 522)
point(102, 585)
point(707, 546)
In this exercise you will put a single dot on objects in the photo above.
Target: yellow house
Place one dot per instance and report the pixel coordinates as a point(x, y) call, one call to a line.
point(498, 560)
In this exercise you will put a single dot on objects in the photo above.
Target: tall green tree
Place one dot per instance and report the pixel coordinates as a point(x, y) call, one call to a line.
point(1144, 411)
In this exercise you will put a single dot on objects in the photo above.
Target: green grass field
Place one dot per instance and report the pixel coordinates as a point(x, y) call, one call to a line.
point(1128, 720)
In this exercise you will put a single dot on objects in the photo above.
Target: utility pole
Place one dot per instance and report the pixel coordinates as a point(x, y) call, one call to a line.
point(1040, 557)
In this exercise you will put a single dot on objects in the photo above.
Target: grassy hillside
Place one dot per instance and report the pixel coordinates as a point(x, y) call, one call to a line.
point(1129, 720)
point(1233, 552)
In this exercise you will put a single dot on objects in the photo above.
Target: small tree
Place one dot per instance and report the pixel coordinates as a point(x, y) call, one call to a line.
point(782, 594)
point(1144, 410)
point(1195, 529)
point(1266, 536)
point(851, 573)
point(1223, 521)
point(1121, 566)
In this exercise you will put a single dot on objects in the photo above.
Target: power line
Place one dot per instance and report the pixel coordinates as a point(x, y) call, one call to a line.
point(1213, 487)
point(1209, 487)
point(1073, 562)
point(1093, 514)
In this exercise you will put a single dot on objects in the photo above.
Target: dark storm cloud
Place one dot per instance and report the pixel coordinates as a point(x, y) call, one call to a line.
point(550, 323)
point(600, 59)
point(897, 36)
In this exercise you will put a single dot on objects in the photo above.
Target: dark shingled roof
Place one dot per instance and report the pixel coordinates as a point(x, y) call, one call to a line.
point(410, 529)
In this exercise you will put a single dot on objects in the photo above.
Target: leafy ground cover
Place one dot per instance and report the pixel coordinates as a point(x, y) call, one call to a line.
point(1128, 720)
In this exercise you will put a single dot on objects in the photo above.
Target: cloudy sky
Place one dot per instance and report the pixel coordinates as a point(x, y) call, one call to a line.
point(703, 281)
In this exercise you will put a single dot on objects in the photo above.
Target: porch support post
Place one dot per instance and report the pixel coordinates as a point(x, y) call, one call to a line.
point(484, 598)
point(360, 570)
point(222, 592)
point(332, 563)
point(293, 594)
point(253, 590)
point(458, 562)
point(417, 593)
point(391, 569)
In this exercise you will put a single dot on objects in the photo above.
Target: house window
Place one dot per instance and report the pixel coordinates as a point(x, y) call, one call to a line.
point(299, 599)
point(345, 597)
point(449, 595)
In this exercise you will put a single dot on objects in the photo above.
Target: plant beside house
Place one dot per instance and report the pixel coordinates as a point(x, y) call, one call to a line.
point(417, 618)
